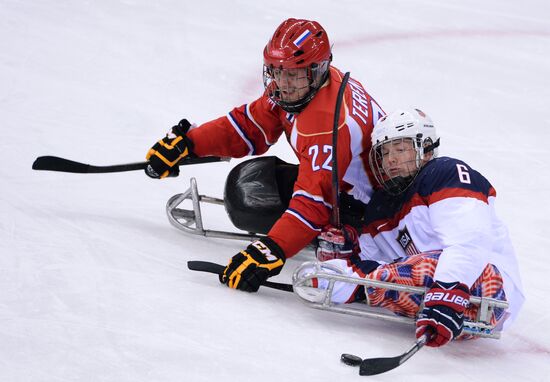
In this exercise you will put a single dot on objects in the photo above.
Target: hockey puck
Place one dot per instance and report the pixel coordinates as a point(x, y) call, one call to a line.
point(351, 360)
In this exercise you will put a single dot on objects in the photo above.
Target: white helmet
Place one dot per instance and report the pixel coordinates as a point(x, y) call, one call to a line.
point(402, 124)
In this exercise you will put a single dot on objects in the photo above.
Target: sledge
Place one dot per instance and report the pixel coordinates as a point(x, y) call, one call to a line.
point(256, 194)
point(322, 298)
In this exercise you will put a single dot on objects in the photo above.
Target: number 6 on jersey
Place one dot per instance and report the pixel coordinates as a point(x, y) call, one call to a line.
point(463, 174)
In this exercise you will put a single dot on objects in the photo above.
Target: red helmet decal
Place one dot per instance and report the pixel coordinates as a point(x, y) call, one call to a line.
point(297, 44)
point(302, 38)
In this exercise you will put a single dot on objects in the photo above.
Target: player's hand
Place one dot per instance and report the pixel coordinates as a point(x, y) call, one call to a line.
point(443, 313)
point(251, 267)
point(165, 155)
point(337, 243)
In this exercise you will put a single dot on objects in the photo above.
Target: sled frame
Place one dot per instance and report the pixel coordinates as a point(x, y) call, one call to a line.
point(190, 220)
point(322, 299)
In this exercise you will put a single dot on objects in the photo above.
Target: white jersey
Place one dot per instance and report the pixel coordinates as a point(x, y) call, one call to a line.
point(448, 207)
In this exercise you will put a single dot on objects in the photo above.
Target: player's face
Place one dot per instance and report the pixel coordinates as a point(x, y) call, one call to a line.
point(399, 158)
point(292, 83)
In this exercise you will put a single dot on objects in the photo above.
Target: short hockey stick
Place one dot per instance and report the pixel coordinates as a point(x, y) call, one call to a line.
point(52, 163)
point(373, 366)
point(206, 266)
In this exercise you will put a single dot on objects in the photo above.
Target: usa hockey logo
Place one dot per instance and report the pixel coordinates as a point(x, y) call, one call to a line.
point(303, 37)
point(405, 240)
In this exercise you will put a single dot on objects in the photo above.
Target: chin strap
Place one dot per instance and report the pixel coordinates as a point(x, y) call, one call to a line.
point(432, 147)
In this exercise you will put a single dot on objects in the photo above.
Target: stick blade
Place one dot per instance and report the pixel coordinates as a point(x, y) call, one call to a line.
point(51, 163)
point(351, 360)
point(205, 266)
point(373, 366)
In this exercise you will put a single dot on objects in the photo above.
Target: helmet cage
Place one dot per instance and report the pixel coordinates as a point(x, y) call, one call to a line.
point(411, 126)
point(293, 88)
point(397, 183)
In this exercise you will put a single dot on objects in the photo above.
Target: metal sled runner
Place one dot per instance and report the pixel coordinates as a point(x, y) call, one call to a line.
point(318, 298)
point(190, 220)
point(256, 194)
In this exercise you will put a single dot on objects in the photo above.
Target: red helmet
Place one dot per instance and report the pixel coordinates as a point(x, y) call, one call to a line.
point(298, 49)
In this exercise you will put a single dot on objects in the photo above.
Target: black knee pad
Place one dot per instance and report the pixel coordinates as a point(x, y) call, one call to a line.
point(258, 191)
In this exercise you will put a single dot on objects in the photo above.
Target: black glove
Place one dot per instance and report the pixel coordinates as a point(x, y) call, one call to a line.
point(251, 267)
point(165, 155)
point(443, 313)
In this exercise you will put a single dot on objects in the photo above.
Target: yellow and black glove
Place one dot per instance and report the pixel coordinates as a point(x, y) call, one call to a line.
point(165, 155)
point(251, 267)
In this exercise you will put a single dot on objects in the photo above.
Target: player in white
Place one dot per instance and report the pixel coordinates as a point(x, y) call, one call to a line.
point(431, 223)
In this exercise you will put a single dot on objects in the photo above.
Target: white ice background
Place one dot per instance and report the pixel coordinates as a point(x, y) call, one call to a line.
point(93, 279)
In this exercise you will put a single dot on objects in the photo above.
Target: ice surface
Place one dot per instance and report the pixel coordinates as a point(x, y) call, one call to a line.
point(93, 279)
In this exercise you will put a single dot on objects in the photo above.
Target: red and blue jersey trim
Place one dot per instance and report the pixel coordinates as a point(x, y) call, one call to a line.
point(242, 133)
point(438, 180)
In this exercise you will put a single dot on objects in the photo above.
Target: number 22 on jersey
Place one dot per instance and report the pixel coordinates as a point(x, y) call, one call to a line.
point(317, 155)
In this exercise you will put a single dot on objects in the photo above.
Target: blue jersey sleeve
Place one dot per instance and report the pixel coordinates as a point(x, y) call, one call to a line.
point(447, 177)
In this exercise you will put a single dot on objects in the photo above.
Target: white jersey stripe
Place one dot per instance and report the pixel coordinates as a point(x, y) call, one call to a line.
point(241, 133)
point(315, 198)
point(294, 135)
point(356, 174)
point(249, 115)
point(302, 219)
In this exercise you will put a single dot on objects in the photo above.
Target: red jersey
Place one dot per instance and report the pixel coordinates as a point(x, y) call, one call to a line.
point(252, 128)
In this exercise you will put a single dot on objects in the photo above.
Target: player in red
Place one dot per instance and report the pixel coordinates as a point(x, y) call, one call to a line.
point(299, 101)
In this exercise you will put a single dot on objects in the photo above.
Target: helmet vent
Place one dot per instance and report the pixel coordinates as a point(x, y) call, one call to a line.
point(319, 34)
point(298, 53)
point(400, 127)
